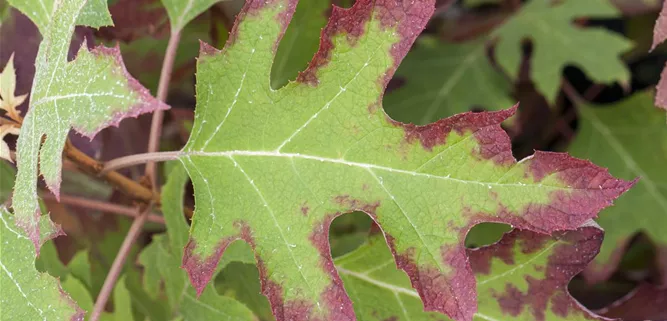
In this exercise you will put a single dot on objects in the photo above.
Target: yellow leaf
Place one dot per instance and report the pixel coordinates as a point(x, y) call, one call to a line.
point(8, 101)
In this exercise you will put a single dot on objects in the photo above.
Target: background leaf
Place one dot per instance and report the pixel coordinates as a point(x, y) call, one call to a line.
point(558, 42)
point(439, 78)
point(609, 136)
point(183, 11)
point(321, 146)
point(64, 95)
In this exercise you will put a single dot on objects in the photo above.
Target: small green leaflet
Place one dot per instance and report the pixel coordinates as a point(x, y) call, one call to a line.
point(27, 294)
point(90, 93)
point(522, 277)
point(275, 167)
point(162, 258)
point(183, 11)
point(609, 135)
point(438, 80)
point(558, 42)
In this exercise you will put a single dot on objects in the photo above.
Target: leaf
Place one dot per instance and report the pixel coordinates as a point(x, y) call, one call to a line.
point(646, 302)
point(79, 293)
point(26, 293)
point(183, 11)
point(659, 36)
point(608, 135)
point(92, 13)
point(49, 261)
point(300, 40)
point(522, 277)
point(241, 282)
point(162, 257)
point(275, 167)
point(65, 95)
point(438, 81)
point(7, 174)
point(557, 42)
point(8, 100)
point(5, 130)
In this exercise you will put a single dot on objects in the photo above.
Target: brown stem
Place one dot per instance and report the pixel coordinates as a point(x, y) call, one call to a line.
point(137, 159)
point(122, 183)
point(153, 142)
point(158, 116)
point(102, 206)
point(118, 263)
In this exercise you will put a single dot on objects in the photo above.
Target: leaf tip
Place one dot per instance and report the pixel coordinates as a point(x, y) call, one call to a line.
point(144, 101)
point(206, 49)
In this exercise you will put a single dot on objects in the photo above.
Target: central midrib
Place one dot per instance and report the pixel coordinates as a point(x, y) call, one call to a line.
point(249, 153)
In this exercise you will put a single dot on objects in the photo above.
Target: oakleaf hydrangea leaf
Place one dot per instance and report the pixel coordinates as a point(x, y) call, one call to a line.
point(659, 36)
point(162, 258)
point(522, 277)
point(183, 11)
point(558, 42)
point(608, 135)
point(438, 78)
point(26, 293)
point(275, 167)
point(89, 93)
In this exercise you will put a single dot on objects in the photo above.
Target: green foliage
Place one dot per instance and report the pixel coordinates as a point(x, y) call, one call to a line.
point(630, 138)
point(558, 42)
point(282, 145)
point(7, 173)
point(26, 293)
point(181, 12)
point(162, 258)
point(437, 80)
point(299, 156)
point(522, 277)
point(64, 95)
point(300, 41)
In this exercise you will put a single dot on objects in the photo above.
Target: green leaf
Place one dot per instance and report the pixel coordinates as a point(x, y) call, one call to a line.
point(241, 282)
point(522, 277)
point(7, 175)
point(89, 93)
point(79, 267)
point(438, 80)
point(275, 167)
point(558, 42)
point(300, 40)
point(79, 292)
point(475, 3)
point(26, 293)
point(183, 11)
point(122, 305)
point(609, 135)
point(162, 259)
point(94, 13)
point(49, 261)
